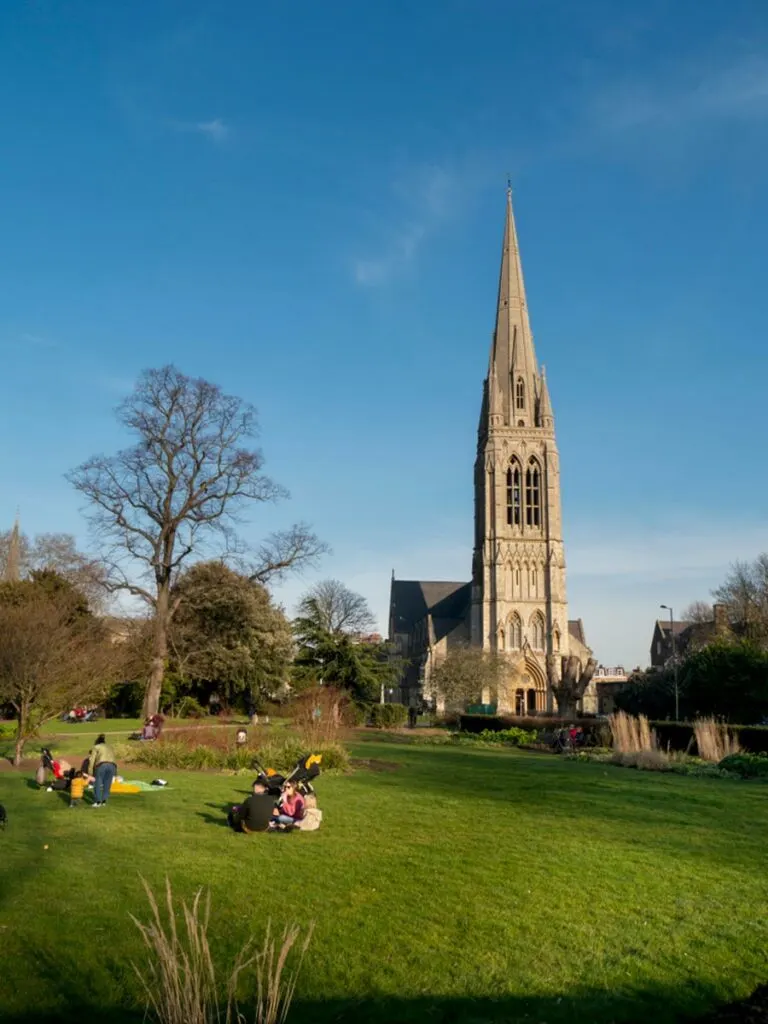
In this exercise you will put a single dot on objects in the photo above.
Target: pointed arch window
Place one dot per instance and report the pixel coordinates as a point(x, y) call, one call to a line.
point(515, 633)
point(519, 393)
point(537, 632)
point(556, 641)
point(534, 582)
point(533, 494)
point(514, 494)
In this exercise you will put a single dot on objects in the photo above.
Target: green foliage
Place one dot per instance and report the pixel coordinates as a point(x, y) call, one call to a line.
point(125, 700)
point(465, 674)
point(338, 659)
point(748, 766)
point(388, 716)
point(227, 636)
point(511, 737)
point(50, 585)
point(356, 714)
point(188, 707)
point(727, 679)
point(191, 754)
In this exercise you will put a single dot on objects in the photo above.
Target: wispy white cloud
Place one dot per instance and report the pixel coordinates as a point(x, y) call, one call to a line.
point(216, 130)
point(690, 96)
point(422, 200)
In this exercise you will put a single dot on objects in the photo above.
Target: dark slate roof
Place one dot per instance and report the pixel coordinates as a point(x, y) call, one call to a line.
point(411, 600)
point(576, 630)
point(677, 627)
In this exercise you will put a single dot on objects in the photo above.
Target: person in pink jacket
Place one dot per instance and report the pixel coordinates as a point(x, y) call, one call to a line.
point(291, 807)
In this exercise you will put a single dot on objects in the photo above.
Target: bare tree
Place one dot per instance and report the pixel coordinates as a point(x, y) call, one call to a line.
point(58, 552)
point(572, 683)
point(50, 660)
point(467, 674)
point(337, 609)
point(698, 612)
point(287, 551)
point(178, 489)
point(745, 595)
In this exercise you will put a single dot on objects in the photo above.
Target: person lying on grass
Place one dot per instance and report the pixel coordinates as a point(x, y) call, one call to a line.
point(255, 813)
point(290, 810)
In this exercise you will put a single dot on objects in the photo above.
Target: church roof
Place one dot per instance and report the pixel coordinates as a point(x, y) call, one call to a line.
point(576, 630)
point(412, 600)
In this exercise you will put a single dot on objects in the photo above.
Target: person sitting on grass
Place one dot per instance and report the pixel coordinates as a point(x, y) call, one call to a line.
point(313, 816)
point(255, 814)
point(291, 807)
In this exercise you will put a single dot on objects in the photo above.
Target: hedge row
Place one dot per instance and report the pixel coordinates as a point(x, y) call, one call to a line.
point(679, 735)
point(537, 723)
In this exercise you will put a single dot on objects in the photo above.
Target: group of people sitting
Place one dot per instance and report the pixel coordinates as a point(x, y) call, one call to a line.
point(153, 727)
point(261, 812)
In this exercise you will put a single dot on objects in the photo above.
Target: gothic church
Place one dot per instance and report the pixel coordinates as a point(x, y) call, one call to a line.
point(516, 601)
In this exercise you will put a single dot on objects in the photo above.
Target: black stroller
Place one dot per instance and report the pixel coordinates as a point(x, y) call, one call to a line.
point(307, 768)
point(63, 772)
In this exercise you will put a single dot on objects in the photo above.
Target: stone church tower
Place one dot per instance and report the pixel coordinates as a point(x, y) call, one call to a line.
point(518, 574)
point(515, 603)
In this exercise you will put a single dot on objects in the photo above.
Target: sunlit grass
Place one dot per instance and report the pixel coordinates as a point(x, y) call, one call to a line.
point(450, 884)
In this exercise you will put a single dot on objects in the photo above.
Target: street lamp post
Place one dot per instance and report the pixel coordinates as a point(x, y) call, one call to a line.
point(674, 659)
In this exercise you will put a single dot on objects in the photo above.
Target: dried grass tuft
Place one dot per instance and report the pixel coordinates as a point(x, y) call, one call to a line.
point(631, 735)
point(714, 740)
point(180, 980)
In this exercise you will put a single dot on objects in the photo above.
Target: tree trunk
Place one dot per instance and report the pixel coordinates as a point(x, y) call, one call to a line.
point(567, 706)
point(21, 728)
point(159, 652)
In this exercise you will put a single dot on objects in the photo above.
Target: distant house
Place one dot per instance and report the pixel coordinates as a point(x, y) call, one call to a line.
point(609, 681)
point(688, 636)
point(119, 628)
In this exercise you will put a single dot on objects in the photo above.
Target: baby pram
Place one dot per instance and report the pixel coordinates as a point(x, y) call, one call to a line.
point(307, 768)
point(63, 772)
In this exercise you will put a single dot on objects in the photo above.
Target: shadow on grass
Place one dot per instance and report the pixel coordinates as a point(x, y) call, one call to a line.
point(663, 1006)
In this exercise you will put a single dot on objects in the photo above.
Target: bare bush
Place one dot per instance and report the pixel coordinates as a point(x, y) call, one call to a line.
point(318, 714)
point(631, 735)
point(645, 760)
point(181, 983)
point(51, 658)
point(714, 740)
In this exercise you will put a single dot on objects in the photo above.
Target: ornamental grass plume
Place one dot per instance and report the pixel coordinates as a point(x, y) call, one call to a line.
point(631, 735)
point(181, 983)
point(714, 740)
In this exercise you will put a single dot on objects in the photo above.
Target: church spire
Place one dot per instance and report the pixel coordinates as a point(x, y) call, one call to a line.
point(513, 360)
point(12, 571)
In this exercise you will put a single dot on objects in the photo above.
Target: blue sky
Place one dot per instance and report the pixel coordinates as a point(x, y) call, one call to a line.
point(304, 203)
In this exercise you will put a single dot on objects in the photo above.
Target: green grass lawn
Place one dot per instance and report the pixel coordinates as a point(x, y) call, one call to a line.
point(67, 738)
point(464, 886)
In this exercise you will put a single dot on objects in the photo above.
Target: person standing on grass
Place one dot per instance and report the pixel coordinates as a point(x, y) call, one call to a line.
point(102, 766)
point(76, 789)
